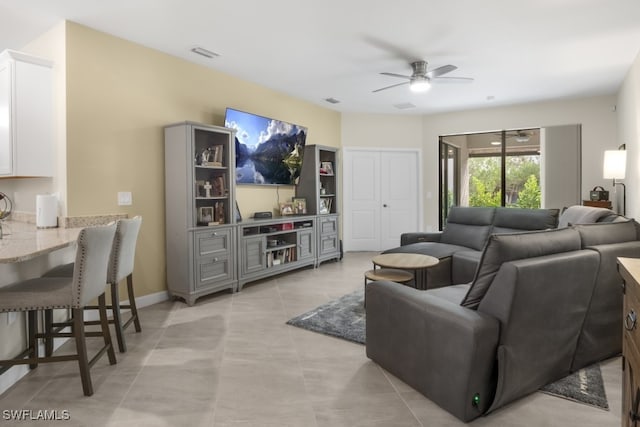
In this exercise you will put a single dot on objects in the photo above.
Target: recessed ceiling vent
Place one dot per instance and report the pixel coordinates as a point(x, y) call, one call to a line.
point(204, 52)
point(404, 106)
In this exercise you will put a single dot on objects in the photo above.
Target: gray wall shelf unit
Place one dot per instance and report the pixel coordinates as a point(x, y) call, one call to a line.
point(273, 246)
point(199, 201)
point(319, 185)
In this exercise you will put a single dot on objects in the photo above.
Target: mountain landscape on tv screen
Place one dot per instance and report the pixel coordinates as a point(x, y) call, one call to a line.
point(267, 151)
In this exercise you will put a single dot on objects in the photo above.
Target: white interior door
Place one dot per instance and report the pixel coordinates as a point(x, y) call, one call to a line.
point(362, 200)
point(399, 196)
point(381, 201)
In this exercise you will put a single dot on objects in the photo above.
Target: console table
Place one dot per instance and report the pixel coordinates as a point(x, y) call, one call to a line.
point(630, 271)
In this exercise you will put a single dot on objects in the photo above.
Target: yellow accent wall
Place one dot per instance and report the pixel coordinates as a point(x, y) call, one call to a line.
point(120, 95)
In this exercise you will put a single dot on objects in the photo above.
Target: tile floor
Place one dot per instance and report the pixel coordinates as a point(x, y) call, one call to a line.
point(231, 361)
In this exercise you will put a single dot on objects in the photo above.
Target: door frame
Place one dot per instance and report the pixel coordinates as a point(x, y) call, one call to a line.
point(346, 202)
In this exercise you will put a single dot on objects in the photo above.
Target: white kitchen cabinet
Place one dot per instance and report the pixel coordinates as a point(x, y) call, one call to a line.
point(26, 115)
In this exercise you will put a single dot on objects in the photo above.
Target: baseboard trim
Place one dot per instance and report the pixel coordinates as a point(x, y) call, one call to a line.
point(15, 373)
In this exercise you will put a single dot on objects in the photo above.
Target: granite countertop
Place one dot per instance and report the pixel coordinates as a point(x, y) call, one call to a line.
point(22, 241)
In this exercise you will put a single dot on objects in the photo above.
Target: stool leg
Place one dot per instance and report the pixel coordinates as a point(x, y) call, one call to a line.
point(48, 329)
point(81, 347)
point(132, 303)
point(117, 319)
point(32, 320)
point(104, 324)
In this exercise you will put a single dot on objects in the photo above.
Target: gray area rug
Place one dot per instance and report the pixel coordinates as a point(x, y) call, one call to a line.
point(345, 318)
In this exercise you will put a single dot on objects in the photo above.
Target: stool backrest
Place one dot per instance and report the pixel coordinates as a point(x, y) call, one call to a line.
point(124, 249)
point(92, 262)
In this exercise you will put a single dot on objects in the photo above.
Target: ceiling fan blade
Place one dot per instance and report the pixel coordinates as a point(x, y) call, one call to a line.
point(395, 50)
point(389, 87)
point(396, 75)
point(454, 79)
point(441, 70)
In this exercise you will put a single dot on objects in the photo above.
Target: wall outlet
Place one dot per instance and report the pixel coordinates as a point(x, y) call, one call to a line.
point(125, 198)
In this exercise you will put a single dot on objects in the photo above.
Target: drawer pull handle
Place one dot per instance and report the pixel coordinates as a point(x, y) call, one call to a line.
point(630, 320)
point(215, 260)
point(214, 234)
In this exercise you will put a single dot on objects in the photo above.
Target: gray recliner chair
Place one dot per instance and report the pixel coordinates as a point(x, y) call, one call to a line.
point(474, 348)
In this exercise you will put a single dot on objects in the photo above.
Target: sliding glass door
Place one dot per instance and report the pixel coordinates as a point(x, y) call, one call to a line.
point(490, 169)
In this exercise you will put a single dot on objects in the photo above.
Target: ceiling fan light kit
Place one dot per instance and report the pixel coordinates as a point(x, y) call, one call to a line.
point(420, 79)
point(419, 84)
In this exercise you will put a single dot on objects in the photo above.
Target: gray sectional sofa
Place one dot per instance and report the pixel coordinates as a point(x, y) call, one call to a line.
point(460, 244)
point(541, 305)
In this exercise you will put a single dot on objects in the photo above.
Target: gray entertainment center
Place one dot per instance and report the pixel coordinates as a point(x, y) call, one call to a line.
point(207, 249)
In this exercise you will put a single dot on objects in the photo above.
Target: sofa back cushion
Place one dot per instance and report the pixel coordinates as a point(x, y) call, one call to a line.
point(468, 226)
point(502, 248)
point(606, 233)
point(509, 220)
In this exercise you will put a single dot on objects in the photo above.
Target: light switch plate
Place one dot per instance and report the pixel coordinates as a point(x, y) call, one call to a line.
point(125, 198)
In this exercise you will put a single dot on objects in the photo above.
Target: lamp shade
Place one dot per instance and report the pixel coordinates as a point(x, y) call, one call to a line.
point(615, 164)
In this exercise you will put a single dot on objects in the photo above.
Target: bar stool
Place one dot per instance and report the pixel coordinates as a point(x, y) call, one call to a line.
point(47, 293)
point(121, 265)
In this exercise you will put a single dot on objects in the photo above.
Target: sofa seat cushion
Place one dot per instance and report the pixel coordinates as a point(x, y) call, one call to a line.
point(434, 249)
point(502, 248)
point(606, 233)
point(464, 265)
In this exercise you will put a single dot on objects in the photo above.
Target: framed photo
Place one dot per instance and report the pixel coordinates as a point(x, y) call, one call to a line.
point(286, 208)
point(219, 186)
point(299, 205)
point(200, 191)
point(326, 168)
point(205, 215)
point(325, 205)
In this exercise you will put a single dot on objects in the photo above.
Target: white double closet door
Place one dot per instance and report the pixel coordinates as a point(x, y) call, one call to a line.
point(381, 197)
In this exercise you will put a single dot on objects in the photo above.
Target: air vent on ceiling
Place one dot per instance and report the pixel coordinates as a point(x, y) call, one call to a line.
point(332, 100)
point(404, 106)
point(204, 52)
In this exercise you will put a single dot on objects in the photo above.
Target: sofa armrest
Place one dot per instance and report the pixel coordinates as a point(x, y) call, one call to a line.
point(418, 337)
point(408, 238)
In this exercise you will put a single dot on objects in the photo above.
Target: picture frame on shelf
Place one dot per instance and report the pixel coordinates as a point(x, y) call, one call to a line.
point(205, 215)
point(286, 208)
point(219, 186)
point(200, 191)
point(299, 205)
point(325, 205)
point(326, 168)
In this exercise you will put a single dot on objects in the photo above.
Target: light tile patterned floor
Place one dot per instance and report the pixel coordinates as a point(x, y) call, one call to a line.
point(231, 361)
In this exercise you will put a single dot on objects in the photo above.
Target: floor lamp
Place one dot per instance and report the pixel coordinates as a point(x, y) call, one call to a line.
point(615, 167)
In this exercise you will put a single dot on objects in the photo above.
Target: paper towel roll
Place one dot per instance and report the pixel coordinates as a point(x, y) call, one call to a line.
point(46, 211)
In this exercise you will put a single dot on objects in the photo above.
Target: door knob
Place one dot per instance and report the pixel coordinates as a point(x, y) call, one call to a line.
point(384, 205)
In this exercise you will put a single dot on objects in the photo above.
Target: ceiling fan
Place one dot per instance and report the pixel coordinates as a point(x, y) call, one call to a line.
point(420, 79)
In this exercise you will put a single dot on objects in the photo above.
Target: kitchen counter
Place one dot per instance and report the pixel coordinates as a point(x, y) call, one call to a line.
point(22, 241)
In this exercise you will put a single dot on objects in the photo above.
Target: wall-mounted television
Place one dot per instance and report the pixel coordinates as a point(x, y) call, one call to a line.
point(268, 151)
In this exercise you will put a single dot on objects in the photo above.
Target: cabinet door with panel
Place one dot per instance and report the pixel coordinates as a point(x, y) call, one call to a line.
point(26, 110)
point(306, 245)
point(253, 252)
